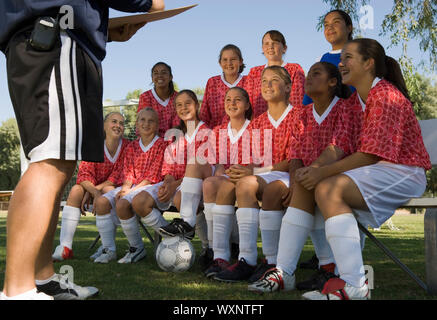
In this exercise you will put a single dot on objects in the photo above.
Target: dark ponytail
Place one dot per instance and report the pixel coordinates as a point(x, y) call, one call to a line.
point(341, 90)
point(249, 112)
point(385, 67)
point(170, 85)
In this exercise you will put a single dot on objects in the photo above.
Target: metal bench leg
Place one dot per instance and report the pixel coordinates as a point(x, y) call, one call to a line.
point(94, 242)
point(430, 223)
point(393, 257)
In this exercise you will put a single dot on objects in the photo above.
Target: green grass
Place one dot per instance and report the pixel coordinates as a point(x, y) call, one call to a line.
point(144, 280)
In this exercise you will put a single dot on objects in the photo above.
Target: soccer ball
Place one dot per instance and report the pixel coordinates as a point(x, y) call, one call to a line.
point(175, 254)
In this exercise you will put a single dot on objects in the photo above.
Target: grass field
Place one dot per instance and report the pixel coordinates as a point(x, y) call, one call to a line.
point(144, 280)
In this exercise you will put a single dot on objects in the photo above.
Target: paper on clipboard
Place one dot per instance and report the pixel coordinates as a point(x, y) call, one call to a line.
point(146, 17)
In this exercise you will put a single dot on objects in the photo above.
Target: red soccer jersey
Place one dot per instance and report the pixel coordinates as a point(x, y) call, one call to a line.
point(142, 162)
point(336, 126)
point(212, 111)
point(390, 128)
point(253, 87)
point(96, 172)
point(232, 149)
point(184, 148)
point(166, 110)
point(271, 139)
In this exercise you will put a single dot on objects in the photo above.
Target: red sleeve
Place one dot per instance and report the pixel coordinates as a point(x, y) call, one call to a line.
point(143, 101)
point(204, 113)
point(297, 89)
point(86, 172)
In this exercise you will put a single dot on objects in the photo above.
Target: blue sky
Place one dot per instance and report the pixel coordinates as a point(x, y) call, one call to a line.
point(191, 41)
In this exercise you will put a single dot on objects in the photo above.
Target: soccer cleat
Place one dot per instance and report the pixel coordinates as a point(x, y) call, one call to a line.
point(62, 253)
point(312, 263)
point(337, 289)
point(106, 256)
point(260, 270)
point(97, 253)
point(178, 227)
point(316, 281)
point(274, 280)
point(218, 265)
point(133, 255)
point(206, 258)
point(62, 289)
point(240, 271)
point(29, 295)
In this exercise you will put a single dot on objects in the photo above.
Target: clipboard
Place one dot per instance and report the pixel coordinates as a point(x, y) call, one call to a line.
point(147, 17)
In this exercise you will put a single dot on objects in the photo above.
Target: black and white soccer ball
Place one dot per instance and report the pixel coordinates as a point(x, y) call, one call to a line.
point(175, 254)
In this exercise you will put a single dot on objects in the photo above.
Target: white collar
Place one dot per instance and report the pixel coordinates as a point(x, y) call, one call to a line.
point(193, 136)
point(276, 123)
point(335, 51)
point(146, 148)
point(231, 85)
point(233, 139)
point(117, 153)
point(374, 83)
point(283, 65)
point(157, 98)
point(320, 119)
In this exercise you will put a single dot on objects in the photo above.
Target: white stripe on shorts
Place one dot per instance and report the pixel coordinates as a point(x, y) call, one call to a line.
point(64, 140)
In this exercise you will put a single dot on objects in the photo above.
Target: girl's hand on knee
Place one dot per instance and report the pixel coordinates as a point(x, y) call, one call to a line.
point(85, 203)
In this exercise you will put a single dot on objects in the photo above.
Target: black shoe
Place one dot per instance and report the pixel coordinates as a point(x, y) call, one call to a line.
point(316, 281)
point(206, 257)
point(235, 250)
point(218, 265)
point(260, 270)
point(240, 271)
point(177, 227)
point(60, 289)
point(312, 264)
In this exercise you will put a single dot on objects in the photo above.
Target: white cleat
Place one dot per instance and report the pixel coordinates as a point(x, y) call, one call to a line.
point(274, 280)
point(29, 295)
point(62, 253)
point(133, 255)
point(337, 289)
point(97, 253)
point(106, 256)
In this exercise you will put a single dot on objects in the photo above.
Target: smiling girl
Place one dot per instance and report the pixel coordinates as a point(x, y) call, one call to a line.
point(212, 111)
point(274, 47)
point(161, 97)
point(386, 171)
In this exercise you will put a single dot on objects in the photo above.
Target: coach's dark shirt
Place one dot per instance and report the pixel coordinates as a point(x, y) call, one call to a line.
point(90, 19)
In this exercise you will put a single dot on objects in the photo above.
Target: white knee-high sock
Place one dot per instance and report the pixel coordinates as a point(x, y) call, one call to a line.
point(223, 218)
point(191, 193)
point(344, 238)
point(106, 228)
point(270, 225)
point(209, 221)
point(70, 220)
point(318, 237)
point(132, 232)
point(248, 220)
point(295, 228)
point(202, 229)
point(154, 219)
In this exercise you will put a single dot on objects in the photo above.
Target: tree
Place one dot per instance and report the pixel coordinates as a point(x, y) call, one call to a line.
point(409, 19)
point(9, 155)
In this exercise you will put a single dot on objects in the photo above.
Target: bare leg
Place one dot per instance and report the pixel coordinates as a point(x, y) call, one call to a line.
point(31, 222)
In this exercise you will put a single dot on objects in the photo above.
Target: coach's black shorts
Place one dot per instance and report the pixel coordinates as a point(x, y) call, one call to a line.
point(57, 99)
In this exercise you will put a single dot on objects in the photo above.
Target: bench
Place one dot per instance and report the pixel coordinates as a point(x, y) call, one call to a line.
point(429, 133)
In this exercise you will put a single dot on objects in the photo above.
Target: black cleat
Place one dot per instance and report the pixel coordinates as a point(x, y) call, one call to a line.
point(177, 227)
point(260, 270)
point(312, 264)
point(240, 271)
